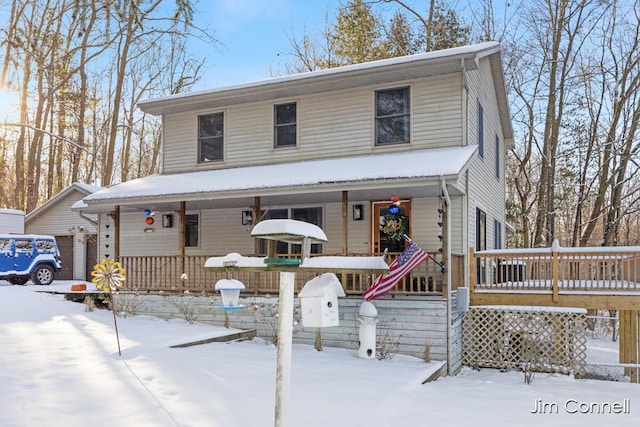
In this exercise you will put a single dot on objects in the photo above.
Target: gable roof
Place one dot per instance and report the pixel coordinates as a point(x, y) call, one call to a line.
point(434, 63)
point(409, 168)
point(80, 187)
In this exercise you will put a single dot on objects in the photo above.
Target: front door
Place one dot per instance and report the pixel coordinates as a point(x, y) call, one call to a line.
point(387, 230)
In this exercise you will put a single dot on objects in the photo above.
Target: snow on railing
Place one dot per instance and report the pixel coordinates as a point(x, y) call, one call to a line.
point(557, 270)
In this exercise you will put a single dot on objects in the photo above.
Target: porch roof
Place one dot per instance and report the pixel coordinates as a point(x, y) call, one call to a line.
point(408, 169)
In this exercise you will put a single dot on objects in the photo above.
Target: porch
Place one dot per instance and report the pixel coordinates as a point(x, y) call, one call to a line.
point(154, 274)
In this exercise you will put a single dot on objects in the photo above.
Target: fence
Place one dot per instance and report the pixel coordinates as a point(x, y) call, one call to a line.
point(542, 339)
point(179, 274)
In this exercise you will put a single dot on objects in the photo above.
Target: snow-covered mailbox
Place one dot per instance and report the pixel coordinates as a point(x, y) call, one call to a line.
point(319, 301)
point(230, 290)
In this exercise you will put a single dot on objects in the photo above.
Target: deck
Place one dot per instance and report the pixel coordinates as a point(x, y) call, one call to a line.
point(591, 278)
point(568, 277)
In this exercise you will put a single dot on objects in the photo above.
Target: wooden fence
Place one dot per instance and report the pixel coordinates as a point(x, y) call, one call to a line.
point(180, 274)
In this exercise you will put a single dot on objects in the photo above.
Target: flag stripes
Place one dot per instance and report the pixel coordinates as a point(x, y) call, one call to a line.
point(407, 261)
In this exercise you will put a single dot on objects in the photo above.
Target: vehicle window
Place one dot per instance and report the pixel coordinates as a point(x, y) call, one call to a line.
point(5, 246)
point(23, 245)
point(46, 246)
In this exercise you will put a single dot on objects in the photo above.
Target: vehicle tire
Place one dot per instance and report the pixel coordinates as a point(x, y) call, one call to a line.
point(18, 280)
point(42, 275)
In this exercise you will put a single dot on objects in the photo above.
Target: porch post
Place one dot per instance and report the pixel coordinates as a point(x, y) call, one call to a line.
point(181, 243)
point(256, 219)
point(447, 264)
point(345, 222)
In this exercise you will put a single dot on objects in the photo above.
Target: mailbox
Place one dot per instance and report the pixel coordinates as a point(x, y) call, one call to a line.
point(319, 301)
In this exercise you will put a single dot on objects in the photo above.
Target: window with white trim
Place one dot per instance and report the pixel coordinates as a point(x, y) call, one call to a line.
point(392, 116)
point(480, 130)
point(211, 137)
point(285, 125)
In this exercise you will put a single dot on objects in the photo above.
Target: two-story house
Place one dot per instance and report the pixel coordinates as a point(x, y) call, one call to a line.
point(331, 147)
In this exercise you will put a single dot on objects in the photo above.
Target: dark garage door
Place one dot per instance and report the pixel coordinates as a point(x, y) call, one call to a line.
point(65, 246)
point(92, 255)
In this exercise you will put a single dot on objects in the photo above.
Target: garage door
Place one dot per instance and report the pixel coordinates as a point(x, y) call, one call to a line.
point(65, 246)
point(92, 255)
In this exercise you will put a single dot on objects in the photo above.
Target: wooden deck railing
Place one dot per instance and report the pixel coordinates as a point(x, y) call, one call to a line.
point(607, 270)
point(163, 273)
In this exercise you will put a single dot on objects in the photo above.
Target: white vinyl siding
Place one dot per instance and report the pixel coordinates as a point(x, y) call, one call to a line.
point(484, 189)
point(339, 123)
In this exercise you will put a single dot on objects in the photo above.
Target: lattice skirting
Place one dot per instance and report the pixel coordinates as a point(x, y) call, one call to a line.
point(538, 339)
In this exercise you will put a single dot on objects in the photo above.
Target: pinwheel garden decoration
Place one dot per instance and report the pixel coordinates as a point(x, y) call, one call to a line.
point(109, 276)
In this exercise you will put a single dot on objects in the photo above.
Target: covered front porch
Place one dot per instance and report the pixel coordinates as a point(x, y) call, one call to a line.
point(164, 227)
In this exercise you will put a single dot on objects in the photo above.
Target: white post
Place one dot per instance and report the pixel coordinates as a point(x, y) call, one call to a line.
point(367, 319)
point(285, 337)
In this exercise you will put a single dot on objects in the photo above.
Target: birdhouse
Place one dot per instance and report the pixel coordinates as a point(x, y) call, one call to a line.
point(319, 301)
point(230, 290)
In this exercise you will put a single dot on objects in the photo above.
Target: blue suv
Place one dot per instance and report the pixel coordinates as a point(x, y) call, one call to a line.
point(25, 256)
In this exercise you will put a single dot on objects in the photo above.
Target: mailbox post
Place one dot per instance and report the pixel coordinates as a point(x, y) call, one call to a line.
point(304, 234)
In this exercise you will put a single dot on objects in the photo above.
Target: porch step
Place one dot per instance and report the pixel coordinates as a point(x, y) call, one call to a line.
point(439, 370)
point(249, 334)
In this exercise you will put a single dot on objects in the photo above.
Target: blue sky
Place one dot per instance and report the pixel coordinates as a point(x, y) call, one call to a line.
point(254, 35)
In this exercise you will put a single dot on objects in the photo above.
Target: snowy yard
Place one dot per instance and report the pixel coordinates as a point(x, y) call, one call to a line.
point(61, 368)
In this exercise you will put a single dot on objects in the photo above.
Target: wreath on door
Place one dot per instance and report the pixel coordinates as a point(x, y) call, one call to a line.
point(394, 227)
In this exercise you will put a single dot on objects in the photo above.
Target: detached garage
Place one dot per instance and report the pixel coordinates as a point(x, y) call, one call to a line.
point(74, 232)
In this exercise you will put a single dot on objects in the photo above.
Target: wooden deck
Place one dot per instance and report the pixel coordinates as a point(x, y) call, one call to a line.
point(568, 277)
point(591, 278)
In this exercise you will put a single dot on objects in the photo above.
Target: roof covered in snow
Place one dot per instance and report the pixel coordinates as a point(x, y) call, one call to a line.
point(445, 61)
point(409, 167)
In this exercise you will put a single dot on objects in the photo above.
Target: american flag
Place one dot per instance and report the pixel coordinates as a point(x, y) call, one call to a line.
point(407, 261)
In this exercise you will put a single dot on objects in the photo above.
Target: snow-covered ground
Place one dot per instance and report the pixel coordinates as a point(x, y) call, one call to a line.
point(60, 367)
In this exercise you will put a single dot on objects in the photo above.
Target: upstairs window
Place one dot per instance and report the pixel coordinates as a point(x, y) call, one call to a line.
point(392, 116)
point(480, 130)
point(285, 125)
point(497, 157)
point(211, 138)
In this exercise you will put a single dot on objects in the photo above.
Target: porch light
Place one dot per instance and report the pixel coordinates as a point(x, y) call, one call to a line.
point(358, 213)
point(230, 290)
point(247, 217)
